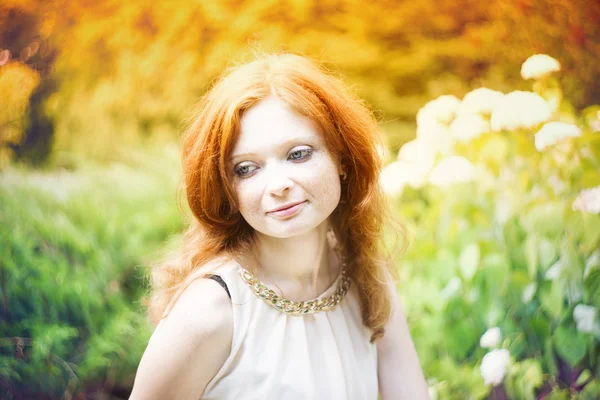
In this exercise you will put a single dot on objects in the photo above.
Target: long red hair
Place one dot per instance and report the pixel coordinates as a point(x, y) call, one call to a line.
point(349, 130)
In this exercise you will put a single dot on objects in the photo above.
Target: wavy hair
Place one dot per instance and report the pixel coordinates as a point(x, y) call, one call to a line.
point(349, 130)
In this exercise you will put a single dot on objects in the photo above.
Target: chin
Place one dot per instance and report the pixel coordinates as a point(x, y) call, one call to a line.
point(288, 229)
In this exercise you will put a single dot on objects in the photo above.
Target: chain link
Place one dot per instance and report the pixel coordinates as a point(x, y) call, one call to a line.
point(296, 307)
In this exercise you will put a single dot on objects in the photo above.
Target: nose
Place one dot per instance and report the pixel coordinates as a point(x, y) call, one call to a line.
point(279, 182)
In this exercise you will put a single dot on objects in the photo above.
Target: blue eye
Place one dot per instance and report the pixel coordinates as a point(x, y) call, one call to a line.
point(302, 154)
point(244, 170)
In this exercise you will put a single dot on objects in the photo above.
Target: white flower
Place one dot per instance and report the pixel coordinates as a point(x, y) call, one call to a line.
point(467, 127)
point(585, 318)
point(452, 288)
point(588, 201)
point(416, 174)
point(398, 174)
point(390, 179)
point(554, 271)
point(552, 132)
point(417, 151)
point(493, 366)
point(418, 158)
point(520, 109)
point(479, 101)
point(452, 170)
point(440, 110)
point(539, 66)
point(437, 136)
point(490, 338)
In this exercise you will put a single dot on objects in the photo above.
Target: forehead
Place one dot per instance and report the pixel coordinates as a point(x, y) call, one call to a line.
point(271, 122)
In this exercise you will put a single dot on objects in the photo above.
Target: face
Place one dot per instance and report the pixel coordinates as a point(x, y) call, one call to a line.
point(286, 181)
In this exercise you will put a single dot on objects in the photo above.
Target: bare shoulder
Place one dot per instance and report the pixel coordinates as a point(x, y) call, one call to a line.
point(203, 304)
point(189, 346)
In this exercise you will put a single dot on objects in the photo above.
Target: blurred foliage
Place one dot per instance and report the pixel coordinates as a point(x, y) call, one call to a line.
point(85, 81)
point(129, 72)
point(513, 242)
point(26, 129)
point(17, 82)
point(74, 248)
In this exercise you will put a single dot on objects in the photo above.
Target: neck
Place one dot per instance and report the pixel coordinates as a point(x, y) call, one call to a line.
point(301, 267)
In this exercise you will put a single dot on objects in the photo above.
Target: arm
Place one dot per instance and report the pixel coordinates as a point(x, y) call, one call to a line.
point(189, 347)
point(399, 371)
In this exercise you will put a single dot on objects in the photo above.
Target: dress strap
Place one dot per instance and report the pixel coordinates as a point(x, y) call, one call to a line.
point(221, 282)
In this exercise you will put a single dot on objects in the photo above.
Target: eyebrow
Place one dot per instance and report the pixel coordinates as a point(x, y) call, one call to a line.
point(281, 145)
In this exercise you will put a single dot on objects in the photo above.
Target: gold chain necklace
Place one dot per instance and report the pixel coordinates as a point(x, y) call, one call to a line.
point(297, 307)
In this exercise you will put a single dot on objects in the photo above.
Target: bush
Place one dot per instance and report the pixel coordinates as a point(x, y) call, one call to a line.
point(72, 247)
point(502, 193)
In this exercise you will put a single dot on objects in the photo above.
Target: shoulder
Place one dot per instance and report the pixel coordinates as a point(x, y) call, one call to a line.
point(201, 292)
point(190, 344)
point(204, 308)
point(204, 304)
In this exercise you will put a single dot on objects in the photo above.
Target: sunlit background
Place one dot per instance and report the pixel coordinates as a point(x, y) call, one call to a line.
point(492, 160)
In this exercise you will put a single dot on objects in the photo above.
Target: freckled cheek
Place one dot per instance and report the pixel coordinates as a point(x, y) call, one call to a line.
point(325, 183)
point(249, 199)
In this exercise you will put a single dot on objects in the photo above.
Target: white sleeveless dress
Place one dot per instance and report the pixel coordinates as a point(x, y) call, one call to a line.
point(326, 355)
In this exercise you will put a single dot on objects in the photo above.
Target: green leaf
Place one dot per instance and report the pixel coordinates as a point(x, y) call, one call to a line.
point(592, 263)
point(591, 390)
point(591, 238)
point(548, 253)
point(517, 345)
point(518, 282)
point(584, 376)
point(570, 258)
point(545, 219)
point(572, 271)
point(523, 378)
point(590, 179)
point(549, 358)
point(469, 260)
point(591, 288)
point(533, 373)
point(553, 299)
point(540, 325)
point(569, 345)
point(460, 338)
point(494, 274)
point(531, 255)
point(558, 394)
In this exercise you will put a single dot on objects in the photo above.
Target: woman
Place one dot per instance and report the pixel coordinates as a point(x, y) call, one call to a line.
point(279, 290)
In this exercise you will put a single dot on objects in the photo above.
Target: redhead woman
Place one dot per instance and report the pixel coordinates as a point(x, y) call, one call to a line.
point(279, 289)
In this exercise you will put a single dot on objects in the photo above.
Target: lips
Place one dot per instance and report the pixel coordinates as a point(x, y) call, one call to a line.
point(288, 209)
point(286, 206)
